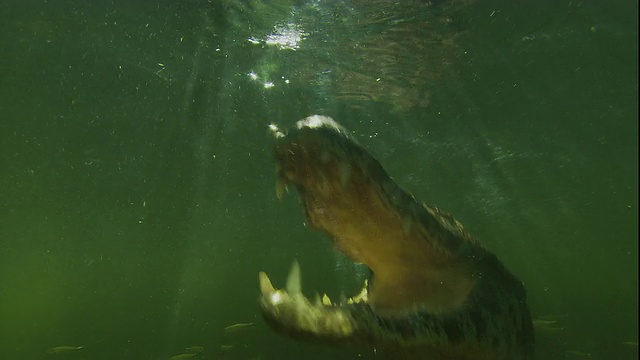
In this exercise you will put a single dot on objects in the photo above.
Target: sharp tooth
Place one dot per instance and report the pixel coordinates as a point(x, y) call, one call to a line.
point(362, 296)
point(293, 279)
point(281, 187)
point(281, 182)
point(266, 288)
point(343, 298)
point(325, 300)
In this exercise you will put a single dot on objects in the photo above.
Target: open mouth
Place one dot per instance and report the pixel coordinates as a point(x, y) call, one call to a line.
point(430, 278)
point(348, 195)
point(314, 165)
point(288, 311)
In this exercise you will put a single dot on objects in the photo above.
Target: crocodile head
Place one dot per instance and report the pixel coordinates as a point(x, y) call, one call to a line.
point(435, 292)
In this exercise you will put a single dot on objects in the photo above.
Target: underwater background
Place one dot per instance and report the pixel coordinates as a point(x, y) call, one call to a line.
point(137, 185)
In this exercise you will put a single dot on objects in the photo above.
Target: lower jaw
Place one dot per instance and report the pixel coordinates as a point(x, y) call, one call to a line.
point(289, 312)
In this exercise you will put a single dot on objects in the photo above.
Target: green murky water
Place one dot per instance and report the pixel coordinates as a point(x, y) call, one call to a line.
point(137, 198)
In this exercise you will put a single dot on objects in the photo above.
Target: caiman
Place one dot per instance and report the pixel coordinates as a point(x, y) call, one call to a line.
point(434, 291)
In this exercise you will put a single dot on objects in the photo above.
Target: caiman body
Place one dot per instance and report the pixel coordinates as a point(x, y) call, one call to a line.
point(435, 292)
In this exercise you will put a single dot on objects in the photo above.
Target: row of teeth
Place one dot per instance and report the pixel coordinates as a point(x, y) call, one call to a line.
point(281, 184)
point(293, 288)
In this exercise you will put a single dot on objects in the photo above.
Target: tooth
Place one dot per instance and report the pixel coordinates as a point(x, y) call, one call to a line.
point(343, 297)
point(266, 288)
point(293, 279)
point(362, 296)
point(345, 173)
point(281, 187)
point(325, 300)
point(281, 182)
